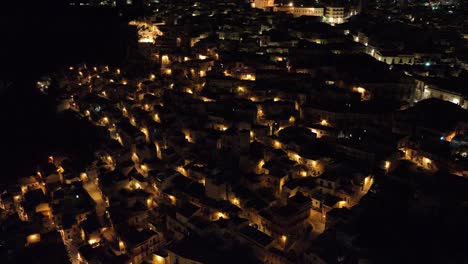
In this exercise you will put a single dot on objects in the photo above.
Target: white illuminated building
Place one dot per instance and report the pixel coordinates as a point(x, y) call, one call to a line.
point(262, 3)
point(426, 89)
point(147, 32)
point(300, 11)
point(331, 14)
point(335, 14)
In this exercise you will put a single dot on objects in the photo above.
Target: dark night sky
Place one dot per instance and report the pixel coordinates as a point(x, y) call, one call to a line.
point(37, 40)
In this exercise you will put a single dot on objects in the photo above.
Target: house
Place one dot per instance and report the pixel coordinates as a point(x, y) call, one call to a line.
point(260, 243)
point(140, 245)
point(91, 230)
point(35, 201)
point(290, 220)
point(7, 202)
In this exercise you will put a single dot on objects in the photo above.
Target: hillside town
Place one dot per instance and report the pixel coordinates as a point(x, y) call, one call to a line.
point(256, 133)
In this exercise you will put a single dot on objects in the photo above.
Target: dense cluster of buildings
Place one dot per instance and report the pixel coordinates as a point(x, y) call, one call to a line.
point(247, 137)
